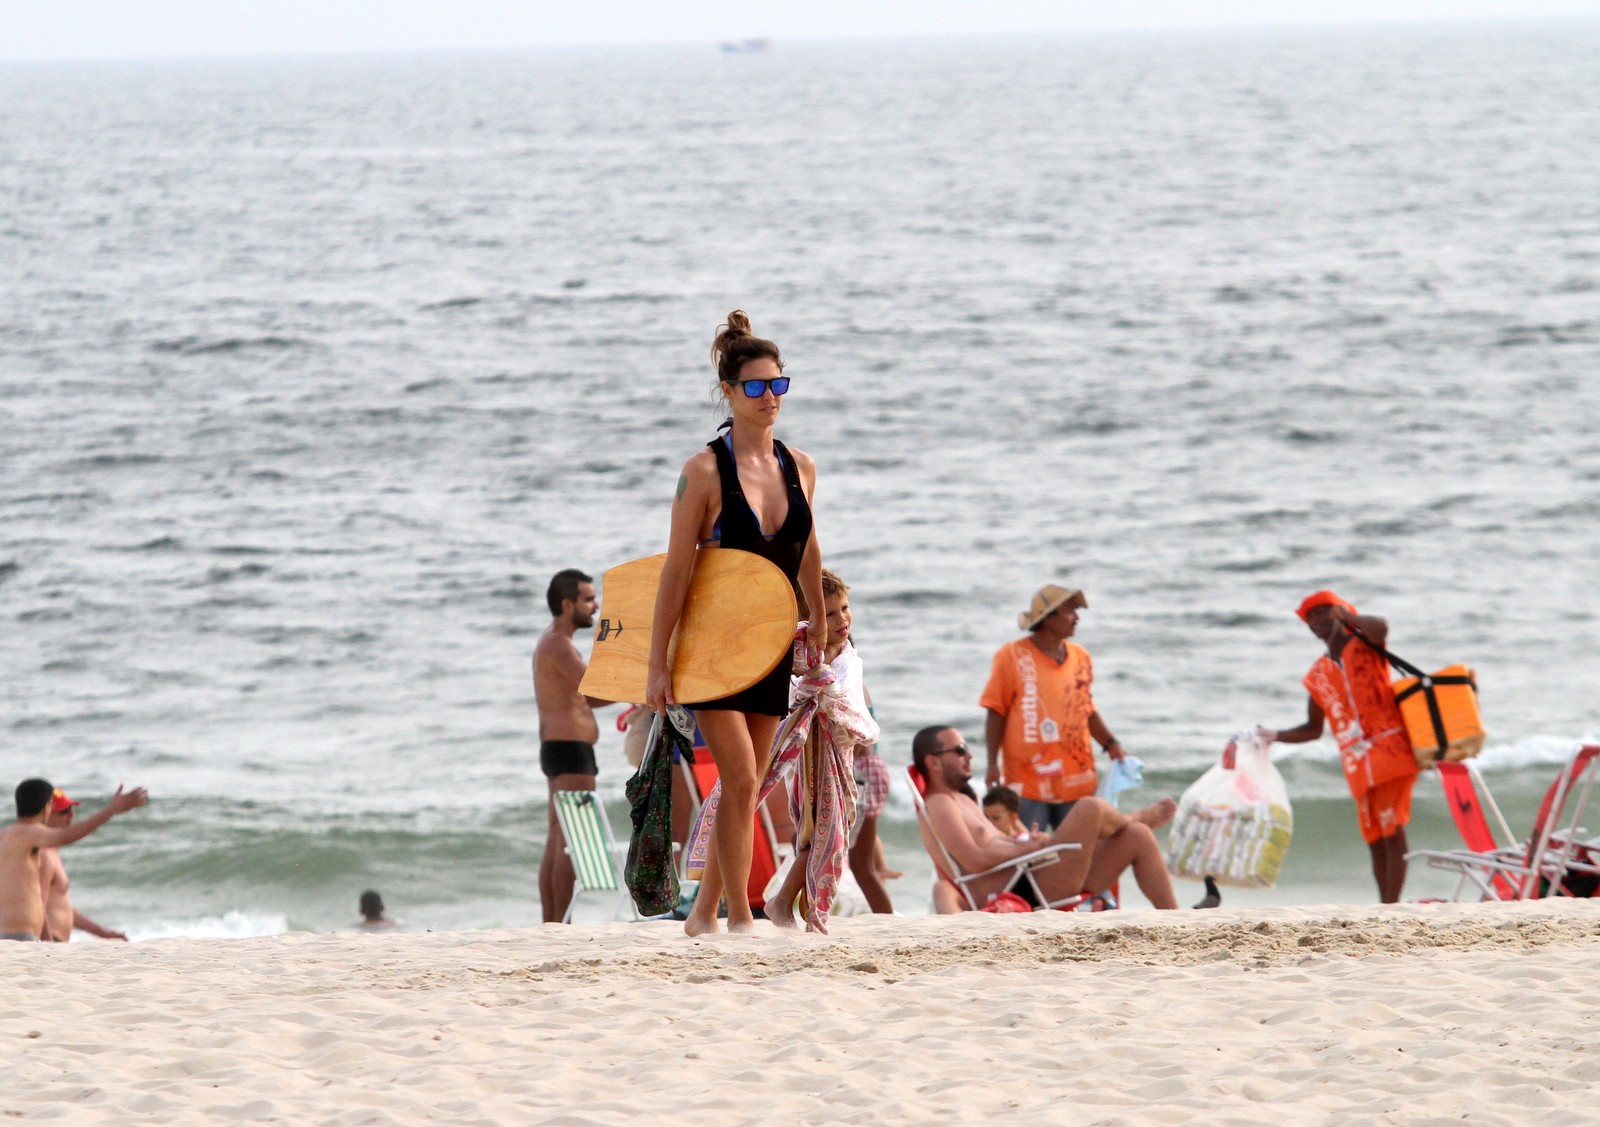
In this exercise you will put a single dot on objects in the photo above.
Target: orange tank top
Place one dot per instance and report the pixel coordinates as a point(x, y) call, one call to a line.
point(1355, 696)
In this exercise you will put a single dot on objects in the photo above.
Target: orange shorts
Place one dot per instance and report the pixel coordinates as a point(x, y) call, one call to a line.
point(1385, 808)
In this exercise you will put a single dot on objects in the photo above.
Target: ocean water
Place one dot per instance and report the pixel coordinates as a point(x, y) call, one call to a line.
point(313, 371)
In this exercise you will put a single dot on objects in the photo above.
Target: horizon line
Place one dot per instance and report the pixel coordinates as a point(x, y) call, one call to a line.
point(710, 44)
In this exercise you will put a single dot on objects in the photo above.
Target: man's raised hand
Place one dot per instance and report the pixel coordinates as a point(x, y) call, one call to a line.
point(123, 801)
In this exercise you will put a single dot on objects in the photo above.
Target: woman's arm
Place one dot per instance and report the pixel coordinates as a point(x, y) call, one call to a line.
point(697, 489)
point(811, 561)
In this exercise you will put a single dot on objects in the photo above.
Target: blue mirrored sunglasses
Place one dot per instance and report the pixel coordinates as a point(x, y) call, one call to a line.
point(755, 389)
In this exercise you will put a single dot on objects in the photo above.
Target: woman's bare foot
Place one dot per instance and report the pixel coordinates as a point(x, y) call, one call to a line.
point(890, 874)
point(1158, 813)
point(695, 925)
point(742, 927)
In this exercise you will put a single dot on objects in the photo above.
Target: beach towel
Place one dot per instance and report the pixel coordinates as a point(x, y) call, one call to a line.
point(651, 876)
point(817, 741)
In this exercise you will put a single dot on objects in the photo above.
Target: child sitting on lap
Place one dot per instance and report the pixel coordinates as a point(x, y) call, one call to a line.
point(1000, 806)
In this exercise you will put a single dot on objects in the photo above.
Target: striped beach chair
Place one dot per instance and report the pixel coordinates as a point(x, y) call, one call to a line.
point(596, 858)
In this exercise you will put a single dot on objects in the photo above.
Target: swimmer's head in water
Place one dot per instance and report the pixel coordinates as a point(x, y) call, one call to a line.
point(735, 347)
point(371, 905)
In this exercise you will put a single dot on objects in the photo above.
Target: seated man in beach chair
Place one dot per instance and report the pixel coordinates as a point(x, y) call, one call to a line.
point(1108, 840)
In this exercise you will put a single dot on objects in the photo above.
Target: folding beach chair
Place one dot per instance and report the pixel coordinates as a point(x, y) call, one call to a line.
point(596, 858)
point(1559, 858)
point(1020, 870)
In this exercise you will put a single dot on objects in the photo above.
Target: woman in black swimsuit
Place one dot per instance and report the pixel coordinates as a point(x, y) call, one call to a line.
point(749, 492)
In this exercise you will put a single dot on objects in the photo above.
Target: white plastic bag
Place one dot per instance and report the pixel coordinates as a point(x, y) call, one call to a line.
point(1234, 824)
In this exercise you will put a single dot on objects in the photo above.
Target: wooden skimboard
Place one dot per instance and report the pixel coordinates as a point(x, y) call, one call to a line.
point(738, 623)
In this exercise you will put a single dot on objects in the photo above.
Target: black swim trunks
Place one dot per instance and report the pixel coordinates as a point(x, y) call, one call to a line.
point(566, 757)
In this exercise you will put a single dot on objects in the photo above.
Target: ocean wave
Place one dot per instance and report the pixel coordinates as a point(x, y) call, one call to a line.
point(114, 461)
point(1531, 751)
point(194, 346)
point(229, 925)
point(1573, 332)
point(1299, 436)
point(920, 598)
point(1229, 620)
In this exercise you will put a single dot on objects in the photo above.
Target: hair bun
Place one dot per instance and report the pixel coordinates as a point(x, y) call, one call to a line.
point(736, 344)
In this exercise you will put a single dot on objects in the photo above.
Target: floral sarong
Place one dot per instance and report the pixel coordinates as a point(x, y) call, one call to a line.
point(818, 737)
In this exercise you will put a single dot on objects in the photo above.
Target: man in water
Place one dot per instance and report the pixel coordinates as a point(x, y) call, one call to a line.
point(1109, 841)
point(567, 728)
point(23, 843)
point(1040, 715)
point(372, 917)
point(60, 917)
point(1349, 688)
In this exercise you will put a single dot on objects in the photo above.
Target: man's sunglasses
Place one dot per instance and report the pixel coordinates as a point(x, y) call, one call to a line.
point(755, 389)
point(961, 750)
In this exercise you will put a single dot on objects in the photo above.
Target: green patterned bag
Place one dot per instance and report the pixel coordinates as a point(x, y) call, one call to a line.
point(651, 875)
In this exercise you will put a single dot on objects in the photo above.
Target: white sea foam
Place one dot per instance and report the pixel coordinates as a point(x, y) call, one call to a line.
point(1532, 751)
point(229, 925)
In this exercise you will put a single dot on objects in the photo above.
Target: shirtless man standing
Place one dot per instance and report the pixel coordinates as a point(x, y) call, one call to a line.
point(567, 728)
point(23, 841)
point(60, 917)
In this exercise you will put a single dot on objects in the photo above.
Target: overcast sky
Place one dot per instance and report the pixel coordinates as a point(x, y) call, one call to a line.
point(66, 29)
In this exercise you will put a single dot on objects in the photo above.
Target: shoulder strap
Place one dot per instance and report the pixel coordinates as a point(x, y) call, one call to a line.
point(1398, 662)
point(726, 469)
point(791, 472)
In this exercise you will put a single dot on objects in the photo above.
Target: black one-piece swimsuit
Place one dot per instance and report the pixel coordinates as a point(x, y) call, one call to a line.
point(740, 531)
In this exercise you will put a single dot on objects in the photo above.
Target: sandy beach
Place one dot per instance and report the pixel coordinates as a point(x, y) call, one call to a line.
point(1412, 1014)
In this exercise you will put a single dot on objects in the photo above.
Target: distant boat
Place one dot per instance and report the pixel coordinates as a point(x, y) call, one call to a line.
point(745, 46)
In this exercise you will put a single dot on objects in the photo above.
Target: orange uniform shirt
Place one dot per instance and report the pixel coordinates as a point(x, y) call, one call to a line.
point(1355, 696)
point(1045, 750)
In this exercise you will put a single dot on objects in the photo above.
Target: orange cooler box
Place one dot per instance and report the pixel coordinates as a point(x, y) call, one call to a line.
point(1441, 714)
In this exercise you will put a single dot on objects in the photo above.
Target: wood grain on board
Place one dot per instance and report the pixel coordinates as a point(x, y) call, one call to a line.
point(738, 623)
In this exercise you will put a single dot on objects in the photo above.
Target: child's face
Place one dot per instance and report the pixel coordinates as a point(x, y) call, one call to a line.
point(999, 817)
point(837, 610)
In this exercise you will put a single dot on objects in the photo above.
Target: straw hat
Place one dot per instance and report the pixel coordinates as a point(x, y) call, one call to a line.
point(1046, 600)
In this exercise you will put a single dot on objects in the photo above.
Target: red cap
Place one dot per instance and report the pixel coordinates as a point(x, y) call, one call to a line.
point(59, 801)
point(1322, 599)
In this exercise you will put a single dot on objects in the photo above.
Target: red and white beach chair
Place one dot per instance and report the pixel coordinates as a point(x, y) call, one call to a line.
point(1019, 870)
point(1559, 858)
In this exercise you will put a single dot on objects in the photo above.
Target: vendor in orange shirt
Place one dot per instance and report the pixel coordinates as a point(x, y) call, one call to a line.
point(1041, 715)
point(1349, 688)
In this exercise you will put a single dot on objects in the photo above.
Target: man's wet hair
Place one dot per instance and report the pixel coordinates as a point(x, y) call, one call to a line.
point(33, 795)
point(564, 585)
point(371, 905)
